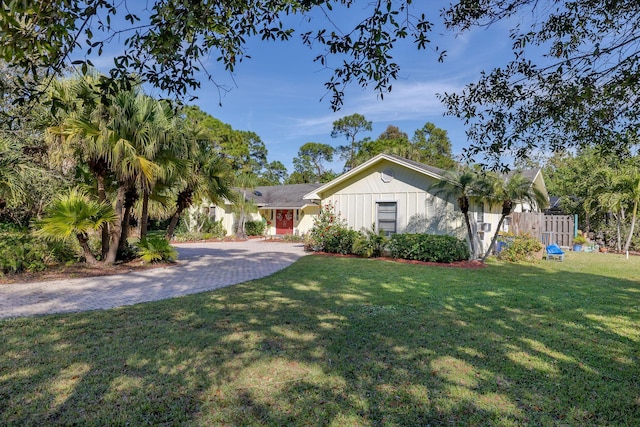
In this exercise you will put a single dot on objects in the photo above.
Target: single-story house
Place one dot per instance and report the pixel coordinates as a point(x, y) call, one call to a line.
point(282, 207)
point(387, 192)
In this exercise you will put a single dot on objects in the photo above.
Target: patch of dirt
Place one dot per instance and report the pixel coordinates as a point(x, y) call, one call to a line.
point(79, 270)
point(472, 264)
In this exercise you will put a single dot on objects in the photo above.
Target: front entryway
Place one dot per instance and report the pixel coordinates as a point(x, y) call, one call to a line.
point(284, 221)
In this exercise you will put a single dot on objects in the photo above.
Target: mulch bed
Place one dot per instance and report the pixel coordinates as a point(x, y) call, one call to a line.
point(79, 270)
point(472, 264)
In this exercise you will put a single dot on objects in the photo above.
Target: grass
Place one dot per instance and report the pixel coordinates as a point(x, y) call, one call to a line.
point(341, 341)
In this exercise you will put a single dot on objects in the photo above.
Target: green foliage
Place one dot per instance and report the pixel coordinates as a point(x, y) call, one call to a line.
point(520, 247)
point(74, 214)
point(369, 243)
point(330, 233)
point(201, 226)
point(309, 164)
point(21, 250)
point(428, 247)
point(156, 249)
point(254, 228)
point(579, 240)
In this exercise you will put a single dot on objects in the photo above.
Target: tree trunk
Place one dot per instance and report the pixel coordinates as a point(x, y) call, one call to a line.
point(86, 250)
point(184, 200)
point(102, 197)
point(173, 223)
point(116, 229)
point(495, 237)
point(470, 234)
point(633, 224)
point(130, 198)
point(618, 232)
point(144, 215)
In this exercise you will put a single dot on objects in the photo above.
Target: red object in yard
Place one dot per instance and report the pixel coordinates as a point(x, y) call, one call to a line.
point(284, 221)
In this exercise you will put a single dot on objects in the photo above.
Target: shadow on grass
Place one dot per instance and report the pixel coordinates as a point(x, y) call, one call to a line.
point(334, 341)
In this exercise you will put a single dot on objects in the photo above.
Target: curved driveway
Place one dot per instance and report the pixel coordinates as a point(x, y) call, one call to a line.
point(203, 267)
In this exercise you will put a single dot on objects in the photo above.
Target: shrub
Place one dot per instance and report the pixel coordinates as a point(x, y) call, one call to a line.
point(254, 228)
point(156, 249)
point(330, 233)
point(428, 247)
point(208, 230)
point(369, 243)
point(22, 251)
point(520, 247)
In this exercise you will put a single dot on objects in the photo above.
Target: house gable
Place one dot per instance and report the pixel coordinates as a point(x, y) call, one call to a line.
point(388, 182)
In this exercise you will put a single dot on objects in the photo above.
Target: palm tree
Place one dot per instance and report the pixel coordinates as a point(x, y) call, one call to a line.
point(132, 135)
point(203, 173)
point(509, 192)
point(245, 182)
point(79, 132)
point(461, 185)
point(12, 165)
point(75, 214)
point(631, 177)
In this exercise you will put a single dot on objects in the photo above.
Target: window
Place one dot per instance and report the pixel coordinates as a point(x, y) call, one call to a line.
point(387, 217)
point(480, 213)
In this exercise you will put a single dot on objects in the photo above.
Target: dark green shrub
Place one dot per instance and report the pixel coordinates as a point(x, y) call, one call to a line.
point(254, 228)
point(156, 249)
point(521, 247)
point(340, 240)
point(330, 233)
point(428, 247)
point(22, 251)
point(369, 243)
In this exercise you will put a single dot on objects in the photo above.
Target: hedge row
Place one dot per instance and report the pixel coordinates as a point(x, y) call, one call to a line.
point(428, 247)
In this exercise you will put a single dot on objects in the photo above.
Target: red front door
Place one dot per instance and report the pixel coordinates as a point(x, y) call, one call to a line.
point(284, 221)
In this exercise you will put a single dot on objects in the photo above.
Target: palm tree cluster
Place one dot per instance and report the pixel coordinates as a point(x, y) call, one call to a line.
point(468, 186)
point(136, 156)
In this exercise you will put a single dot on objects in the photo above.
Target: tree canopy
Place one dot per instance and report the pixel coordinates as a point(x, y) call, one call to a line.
point(166, 42)
point(572, 80)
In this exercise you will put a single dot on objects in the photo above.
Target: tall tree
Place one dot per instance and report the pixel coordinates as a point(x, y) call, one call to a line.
point(310, 161)
point(433, 146)
point(507, 192)
point(572, 81)
point(169, 41)
point(632, 187)
point(462, 185)
point(274, 173)
point(350, 127)
point(205, 174)
point(245, 183)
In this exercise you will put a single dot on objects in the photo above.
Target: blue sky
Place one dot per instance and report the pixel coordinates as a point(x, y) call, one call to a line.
point(278, 92)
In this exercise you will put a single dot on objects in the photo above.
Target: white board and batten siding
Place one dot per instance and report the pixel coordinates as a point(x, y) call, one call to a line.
point(417, 209)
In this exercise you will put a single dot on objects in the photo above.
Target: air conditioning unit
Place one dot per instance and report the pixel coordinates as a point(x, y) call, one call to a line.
point(486, 226)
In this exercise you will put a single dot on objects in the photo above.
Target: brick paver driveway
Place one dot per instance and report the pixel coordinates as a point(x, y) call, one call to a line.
point(203, 267)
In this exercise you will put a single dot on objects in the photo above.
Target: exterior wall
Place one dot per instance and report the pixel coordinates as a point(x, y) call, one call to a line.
point(418, 209)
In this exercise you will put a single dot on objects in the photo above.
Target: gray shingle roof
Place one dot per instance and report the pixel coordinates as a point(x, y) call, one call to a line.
point(283, 196)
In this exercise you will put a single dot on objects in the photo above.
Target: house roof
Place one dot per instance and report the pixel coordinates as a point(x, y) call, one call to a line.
point(410, 164)
point(282, 196)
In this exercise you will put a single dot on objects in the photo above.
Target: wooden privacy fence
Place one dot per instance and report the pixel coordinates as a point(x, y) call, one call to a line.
point(547, 228)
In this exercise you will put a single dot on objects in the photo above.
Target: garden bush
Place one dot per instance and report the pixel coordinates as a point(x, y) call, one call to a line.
point(520, 247)
point(22, 251)
point(206, 230)
point(369, 243)
point(428, 247)
point(330, 233)
point(254, 228)
point(156, 249)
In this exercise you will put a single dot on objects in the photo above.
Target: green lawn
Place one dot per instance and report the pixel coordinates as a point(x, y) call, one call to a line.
point(341, 341)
